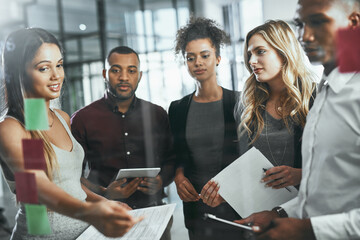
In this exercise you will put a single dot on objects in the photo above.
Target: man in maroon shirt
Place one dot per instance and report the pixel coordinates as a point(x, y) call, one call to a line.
point(122, 131)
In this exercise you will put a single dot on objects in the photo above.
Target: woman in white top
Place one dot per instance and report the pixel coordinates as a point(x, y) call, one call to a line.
point(33, 68)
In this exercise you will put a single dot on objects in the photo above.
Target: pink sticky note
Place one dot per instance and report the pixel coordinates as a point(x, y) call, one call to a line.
point(348, 50)
point(26, 190)
point(33, 152)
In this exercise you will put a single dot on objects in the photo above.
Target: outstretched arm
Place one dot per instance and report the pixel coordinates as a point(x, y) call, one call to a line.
point(108, 217)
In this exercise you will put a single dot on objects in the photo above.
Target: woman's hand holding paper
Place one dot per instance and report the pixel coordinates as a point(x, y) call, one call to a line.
point(209, 194)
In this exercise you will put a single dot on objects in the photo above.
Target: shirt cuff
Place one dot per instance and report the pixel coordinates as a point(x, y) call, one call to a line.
point(337, 226)
point(290, 207)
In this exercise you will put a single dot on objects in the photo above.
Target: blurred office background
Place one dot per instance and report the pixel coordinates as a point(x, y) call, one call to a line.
point(88, 29)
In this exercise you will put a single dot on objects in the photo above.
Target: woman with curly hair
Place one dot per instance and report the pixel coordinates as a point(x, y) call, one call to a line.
point(275, 100)
point(204, 131)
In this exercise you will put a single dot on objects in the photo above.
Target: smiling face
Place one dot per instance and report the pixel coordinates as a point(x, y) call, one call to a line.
point(264, 60)
point(46, 72)
point(201, 59)
point(317, 23)
point(123, 75)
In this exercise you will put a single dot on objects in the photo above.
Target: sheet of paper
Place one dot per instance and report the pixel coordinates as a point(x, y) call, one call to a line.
point(151, 228)
point(33, 153)
point(240, 185)
point(26, 190)
point(37, 219)
point(36, 117)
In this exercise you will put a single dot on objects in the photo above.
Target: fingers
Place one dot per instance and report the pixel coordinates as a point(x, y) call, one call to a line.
point(244, 221)
point(148, 190)
point(275, 170)
point(130, 188)
point(138, 219)
point(208, 189)
point(205, 188)
point(151, 183)
point(120, 227)
point(191, 190)
point(278, 177)
point(209, 194)
point(124, 205)
point(214, 195)
point(117, 183)
point(271, 175)
point(187, 192)
point(150, 180)
point(133, 184)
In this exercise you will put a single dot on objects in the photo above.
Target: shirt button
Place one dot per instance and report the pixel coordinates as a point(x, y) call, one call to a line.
point(126, 134)
point(123, 116)
point(128, 153)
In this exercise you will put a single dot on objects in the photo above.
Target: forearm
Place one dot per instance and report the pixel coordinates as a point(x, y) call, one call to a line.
point(57, 199)
point(167, 173)
point(179, 173)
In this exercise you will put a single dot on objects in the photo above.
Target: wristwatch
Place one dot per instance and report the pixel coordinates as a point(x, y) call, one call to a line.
point(280, 211)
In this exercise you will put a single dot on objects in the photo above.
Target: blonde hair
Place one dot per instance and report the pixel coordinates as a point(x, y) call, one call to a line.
point(296, 74)
point(49, 154)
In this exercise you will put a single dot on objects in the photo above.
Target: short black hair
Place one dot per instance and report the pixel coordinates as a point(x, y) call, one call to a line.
point(200, 28)
point(123, 50)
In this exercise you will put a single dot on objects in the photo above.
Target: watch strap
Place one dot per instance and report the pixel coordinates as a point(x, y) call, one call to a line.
point(280, 211)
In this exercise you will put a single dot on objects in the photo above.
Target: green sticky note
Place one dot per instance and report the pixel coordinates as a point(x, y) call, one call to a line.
point(37, 219)
point(36, 117)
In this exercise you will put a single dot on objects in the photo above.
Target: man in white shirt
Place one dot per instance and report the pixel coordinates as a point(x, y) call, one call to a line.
point(328, 203)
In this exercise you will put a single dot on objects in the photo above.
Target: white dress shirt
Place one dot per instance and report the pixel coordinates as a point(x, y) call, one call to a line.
point(330, 188)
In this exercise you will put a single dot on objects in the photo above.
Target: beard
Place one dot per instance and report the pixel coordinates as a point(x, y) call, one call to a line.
point(120, 96)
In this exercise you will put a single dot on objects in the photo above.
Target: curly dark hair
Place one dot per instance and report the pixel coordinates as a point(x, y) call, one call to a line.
point(200, 28)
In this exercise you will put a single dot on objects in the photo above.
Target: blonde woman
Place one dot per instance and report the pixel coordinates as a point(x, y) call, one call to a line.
point(275, 100)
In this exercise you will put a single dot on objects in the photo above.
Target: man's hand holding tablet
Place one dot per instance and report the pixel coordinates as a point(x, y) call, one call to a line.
point(149, 180)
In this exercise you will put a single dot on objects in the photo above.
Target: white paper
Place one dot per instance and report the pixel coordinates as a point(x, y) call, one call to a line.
point(240, 185)
point(150, 228)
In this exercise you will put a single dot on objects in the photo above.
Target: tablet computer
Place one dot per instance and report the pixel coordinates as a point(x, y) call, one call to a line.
point(137, 172)
point(211, 216)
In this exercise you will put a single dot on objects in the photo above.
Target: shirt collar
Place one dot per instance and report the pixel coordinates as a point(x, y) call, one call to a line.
point(337, 80)
point(111, 102)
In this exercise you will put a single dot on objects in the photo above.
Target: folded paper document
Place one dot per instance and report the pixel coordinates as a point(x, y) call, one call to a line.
point(150, 228)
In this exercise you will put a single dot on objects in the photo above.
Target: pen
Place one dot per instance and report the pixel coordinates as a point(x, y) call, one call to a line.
point(264, 169)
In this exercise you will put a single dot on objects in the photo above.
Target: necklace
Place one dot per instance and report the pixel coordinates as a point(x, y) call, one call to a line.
point(53, 119)
point(268, 143)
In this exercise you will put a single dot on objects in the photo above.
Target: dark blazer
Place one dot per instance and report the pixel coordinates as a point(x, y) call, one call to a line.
point(178, 113)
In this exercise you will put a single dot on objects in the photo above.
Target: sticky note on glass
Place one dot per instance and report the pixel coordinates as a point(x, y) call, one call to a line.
point(36, 117)
point(37, 219)
point(26, 190)
point(348, 50)
point(33, 152)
